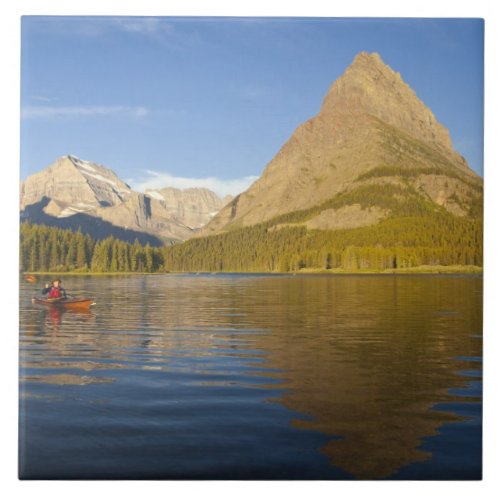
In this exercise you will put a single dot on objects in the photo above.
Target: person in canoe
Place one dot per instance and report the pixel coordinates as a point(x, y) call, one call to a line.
point(55, 290)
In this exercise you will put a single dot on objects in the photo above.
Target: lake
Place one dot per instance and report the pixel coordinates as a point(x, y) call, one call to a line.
point(254, 377)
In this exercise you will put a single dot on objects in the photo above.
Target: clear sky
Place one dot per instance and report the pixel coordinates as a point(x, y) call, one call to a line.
point(207, 101)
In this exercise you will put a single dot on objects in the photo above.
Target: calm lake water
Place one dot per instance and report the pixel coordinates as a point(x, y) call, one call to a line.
point(254, 376)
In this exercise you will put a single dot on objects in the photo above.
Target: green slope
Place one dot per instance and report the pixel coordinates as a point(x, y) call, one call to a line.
point(416, 232)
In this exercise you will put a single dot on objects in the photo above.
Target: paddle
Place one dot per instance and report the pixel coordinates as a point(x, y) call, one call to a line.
point(80, 294)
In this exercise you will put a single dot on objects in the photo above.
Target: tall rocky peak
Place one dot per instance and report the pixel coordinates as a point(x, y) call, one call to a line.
point(370, 119)
point(73, 181)
point(370, 86)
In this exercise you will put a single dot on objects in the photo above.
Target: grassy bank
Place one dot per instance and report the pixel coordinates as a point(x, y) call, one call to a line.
point(458, 269)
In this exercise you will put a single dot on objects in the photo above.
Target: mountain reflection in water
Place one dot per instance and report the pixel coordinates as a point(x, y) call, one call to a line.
point(368, 358)
point(358, 362)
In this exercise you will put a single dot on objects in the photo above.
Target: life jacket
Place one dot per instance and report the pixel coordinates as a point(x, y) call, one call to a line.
point(54, 293)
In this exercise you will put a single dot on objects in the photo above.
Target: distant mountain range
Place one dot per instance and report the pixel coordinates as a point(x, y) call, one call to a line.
point(74, 193)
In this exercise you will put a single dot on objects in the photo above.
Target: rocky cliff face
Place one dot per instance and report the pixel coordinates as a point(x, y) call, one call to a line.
point(195, 207)
point(76, 185)
point(73, 192)
point(371, 129)
point(371, 87)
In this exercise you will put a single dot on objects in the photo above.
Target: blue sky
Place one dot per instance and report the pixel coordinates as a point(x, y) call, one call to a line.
point(206, 101)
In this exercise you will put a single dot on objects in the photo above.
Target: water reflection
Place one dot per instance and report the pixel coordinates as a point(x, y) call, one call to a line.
point(363, 361)
point(368, 358)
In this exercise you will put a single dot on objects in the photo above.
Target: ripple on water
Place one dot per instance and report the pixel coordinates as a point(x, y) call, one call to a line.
point(333, 377)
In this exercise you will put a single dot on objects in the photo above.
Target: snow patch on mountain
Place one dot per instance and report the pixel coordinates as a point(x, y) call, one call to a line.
point(156, 195)
point(87, 167)
point(101, 178)
point(68, 211)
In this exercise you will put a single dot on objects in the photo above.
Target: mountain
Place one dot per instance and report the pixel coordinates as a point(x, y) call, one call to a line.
point(372, 129)
point(74, 193)
point(195, 207)
point(371, 182)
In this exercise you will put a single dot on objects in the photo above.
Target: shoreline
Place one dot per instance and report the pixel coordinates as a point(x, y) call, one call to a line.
point(428, 270)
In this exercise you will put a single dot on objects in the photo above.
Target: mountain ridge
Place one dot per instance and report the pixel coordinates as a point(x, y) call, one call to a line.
point(72, 193)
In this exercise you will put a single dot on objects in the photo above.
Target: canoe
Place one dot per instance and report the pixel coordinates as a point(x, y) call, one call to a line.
point(72, 303)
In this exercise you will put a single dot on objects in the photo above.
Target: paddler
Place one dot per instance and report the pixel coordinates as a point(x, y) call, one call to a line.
point(54, 289)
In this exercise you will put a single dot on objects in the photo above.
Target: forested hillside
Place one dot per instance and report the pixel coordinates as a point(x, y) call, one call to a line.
point(44, 248)
point(397, 242)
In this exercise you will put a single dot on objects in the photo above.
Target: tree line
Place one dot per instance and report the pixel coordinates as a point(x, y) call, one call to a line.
point(45, 248)
point(416, 232)
point(279, 245)
point(394, 243)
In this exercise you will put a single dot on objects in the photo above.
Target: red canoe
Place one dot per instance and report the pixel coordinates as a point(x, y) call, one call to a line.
point(73, 303)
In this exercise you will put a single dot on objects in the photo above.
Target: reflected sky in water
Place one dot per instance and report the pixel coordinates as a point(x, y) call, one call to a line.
point(232, 376)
